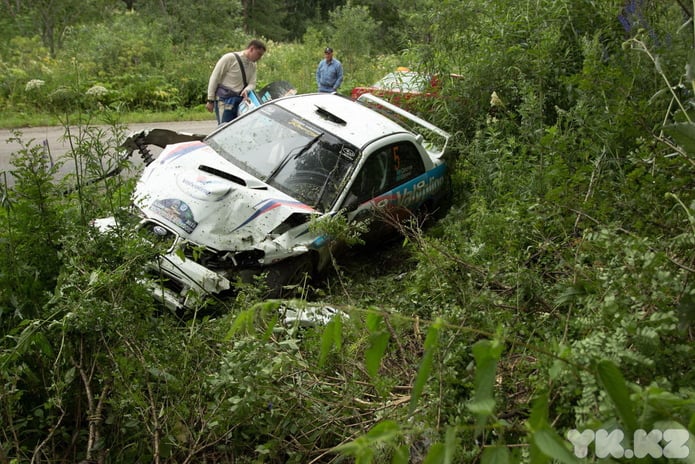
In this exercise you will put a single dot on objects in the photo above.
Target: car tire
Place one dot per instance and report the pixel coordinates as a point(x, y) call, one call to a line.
point(289, 276)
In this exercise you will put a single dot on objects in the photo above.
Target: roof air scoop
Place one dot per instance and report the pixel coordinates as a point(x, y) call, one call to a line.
point(323, 112)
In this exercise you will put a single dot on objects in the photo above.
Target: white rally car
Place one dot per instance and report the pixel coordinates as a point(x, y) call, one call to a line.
point(239, 202)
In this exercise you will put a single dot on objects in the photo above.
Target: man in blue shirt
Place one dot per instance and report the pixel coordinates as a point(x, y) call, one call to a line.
point(329, 74)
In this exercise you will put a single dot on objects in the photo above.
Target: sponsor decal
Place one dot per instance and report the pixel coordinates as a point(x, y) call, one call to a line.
point(319, 242)
point(268, 205)
point(175, 211)
point(415, 191)
point(207, 186)
point(178, 151)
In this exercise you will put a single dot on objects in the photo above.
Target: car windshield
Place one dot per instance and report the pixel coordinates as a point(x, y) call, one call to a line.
point(288, 153)
point(403, 81)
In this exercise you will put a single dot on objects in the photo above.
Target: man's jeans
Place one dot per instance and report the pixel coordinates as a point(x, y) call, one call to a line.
point(228, 107)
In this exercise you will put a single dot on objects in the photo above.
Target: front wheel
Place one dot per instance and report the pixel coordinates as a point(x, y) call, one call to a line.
point(290, 276)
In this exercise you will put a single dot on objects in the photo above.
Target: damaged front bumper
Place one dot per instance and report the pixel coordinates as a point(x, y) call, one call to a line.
point(184, 283)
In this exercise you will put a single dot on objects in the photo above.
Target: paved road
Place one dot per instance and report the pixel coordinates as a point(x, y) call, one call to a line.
point(53, 137)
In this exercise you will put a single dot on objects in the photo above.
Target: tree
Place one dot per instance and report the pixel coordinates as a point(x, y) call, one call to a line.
point(353, 30)
point(212, 22)
point(304, 13)
point(52, 18)
point(265, 18)
point(390, 15)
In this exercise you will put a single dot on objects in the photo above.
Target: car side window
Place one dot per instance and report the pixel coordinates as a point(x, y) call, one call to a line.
point(385, 169)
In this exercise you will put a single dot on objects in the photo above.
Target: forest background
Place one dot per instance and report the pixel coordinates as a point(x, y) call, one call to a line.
point(554, 299)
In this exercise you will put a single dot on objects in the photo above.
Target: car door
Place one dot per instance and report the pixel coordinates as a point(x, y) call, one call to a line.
point(375, 191)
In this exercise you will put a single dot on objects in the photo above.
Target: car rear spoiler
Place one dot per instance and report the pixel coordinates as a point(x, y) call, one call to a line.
point(434, 139)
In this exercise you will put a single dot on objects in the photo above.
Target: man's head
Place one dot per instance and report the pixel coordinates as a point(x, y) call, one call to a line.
point(255, 50)
point(328, 53)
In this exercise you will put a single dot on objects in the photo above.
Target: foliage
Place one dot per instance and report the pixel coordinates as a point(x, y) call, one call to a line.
point(355, 31)
point(139, 60)
point(266, 19)
point(211, 23)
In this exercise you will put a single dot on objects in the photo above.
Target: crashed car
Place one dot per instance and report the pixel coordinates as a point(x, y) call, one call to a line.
point(239, 202)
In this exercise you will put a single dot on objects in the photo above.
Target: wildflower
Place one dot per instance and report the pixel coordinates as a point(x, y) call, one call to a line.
point(97, 91)
point(495, 100)
point(34, 84)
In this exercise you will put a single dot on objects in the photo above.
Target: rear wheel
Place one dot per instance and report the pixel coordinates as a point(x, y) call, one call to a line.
point(290, 276)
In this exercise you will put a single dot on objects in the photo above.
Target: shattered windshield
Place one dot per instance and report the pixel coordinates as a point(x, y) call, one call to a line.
point(289, 154)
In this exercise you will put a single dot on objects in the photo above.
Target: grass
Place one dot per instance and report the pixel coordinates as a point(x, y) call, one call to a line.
point(18, 120)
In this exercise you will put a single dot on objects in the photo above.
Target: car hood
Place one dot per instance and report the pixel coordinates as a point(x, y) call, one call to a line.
point(193, 191)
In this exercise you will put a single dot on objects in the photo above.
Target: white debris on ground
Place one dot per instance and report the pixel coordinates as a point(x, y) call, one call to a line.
point(309, 315)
